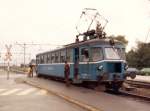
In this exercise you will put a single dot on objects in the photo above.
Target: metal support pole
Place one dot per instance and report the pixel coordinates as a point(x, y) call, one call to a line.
point(24, 55)
point(8, 69)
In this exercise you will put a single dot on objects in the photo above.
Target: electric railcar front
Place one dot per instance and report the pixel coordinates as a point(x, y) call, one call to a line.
point(103, 63)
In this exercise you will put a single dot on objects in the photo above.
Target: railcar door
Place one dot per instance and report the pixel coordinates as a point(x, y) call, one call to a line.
point(84, 62)
point(76, 63)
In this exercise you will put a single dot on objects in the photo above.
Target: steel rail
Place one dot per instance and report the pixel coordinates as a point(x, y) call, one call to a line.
point(141, 97)
point(140, 84)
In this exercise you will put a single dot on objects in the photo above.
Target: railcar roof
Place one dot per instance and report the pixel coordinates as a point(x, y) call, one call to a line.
point(94, 41)
point(87, 42)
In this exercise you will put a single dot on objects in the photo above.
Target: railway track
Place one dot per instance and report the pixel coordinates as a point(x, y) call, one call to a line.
point(130, 94)
point(135, 96)
point(139, 84)
point(121, 92)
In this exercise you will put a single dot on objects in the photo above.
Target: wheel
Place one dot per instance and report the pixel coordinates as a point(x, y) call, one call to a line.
point(107, 87)
point(113, 86)
point(116, 86)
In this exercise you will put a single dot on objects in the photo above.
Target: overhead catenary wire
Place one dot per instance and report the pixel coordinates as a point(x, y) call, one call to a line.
point(24, 46)
point(92, 15)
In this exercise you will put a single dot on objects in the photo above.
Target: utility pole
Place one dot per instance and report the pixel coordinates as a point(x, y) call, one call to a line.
point(24, 51)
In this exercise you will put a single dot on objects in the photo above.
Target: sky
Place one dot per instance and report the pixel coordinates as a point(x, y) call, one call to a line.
point(54, 22)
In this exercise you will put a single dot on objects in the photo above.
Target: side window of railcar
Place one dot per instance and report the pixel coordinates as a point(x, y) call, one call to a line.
point(84, 55)
point(49, 58)
point(56, 57)
point(62, 56)
point(45, 58)
point(53, 57)
point(97, 53)
point(69, 55)
point(59, 57)
point(42, 59)
point(37, 59)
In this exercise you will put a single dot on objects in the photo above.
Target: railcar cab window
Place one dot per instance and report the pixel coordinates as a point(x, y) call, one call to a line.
point(97, 53)
point(121, 52)
point(84, 55)
point(111, 53)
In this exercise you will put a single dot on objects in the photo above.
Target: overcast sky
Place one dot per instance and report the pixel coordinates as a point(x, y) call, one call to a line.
point(54, 21)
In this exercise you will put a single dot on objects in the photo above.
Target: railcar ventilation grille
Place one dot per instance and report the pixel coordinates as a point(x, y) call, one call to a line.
point(114, 67)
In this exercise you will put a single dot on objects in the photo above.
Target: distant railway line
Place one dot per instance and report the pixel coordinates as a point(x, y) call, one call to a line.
point(138, 84)
point(132, 93)
point(135, 96)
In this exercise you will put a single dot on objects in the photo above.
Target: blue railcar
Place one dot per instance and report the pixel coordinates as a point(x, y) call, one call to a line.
point(95, 59)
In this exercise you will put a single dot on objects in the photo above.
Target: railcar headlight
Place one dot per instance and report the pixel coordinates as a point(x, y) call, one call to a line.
point(100, 68)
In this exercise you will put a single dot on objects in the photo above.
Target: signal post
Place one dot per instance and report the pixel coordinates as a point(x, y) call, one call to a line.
point(8, 58)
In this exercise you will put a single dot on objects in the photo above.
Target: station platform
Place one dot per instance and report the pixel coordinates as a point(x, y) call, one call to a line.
point(100, 100)
point(141, 78)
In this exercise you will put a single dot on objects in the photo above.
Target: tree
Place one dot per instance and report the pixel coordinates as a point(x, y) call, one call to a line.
point(131, 59)
point(140, 57)
point(120, 38)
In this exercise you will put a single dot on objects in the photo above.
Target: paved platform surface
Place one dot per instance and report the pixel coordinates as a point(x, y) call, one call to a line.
point(15, 96)
point(100, 100)
point(141, 78)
